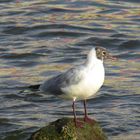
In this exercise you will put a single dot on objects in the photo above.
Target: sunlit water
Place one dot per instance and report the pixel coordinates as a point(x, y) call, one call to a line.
point(39, 39)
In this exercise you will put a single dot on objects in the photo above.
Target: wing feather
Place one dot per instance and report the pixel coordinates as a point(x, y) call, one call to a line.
point(71, 77)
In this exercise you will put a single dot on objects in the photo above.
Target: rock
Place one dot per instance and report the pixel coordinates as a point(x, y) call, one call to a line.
point(64, 129)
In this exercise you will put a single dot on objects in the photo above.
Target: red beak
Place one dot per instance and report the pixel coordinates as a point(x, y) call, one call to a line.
point(112, 57)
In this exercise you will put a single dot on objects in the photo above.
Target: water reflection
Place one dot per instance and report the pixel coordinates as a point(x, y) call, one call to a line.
point(39, 39)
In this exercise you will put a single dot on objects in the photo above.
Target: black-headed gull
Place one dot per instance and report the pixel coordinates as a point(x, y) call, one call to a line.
point(80, 82)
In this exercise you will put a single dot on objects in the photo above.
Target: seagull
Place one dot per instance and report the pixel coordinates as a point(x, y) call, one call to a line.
point(80, 82)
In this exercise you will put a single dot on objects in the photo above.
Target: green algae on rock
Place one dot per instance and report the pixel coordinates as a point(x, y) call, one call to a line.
point(64, 129)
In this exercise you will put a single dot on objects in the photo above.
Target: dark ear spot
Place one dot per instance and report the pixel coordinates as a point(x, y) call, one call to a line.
point(97, 48)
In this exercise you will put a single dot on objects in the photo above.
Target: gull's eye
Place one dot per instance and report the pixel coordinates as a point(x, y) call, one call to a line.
point(103, 53)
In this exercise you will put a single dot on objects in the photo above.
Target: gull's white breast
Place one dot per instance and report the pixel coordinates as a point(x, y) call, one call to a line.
point(93, 78)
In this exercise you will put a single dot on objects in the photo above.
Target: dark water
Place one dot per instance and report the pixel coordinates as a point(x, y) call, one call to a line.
point(39, 39)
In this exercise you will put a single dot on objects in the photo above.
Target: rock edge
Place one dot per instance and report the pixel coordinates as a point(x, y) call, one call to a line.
point(64, 129)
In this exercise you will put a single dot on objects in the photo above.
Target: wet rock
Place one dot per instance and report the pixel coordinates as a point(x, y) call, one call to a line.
point(64, 129)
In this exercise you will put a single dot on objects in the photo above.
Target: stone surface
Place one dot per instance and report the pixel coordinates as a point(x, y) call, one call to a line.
point(64, 129)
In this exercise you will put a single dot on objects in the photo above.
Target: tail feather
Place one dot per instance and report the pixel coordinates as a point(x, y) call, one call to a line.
point(34, 87)
point(31, 88)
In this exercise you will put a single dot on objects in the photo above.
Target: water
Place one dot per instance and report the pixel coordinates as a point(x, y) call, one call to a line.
point(39, 39)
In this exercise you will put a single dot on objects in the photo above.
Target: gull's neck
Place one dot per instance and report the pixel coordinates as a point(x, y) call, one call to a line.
point(92, 59)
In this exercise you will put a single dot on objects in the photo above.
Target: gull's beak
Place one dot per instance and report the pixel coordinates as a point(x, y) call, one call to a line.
point(112, 57)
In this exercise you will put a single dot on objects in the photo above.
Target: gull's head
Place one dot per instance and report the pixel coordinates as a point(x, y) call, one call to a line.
point(103, 54)
point(98, 54)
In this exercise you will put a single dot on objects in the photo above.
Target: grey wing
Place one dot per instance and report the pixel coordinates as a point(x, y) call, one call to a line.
point(71, 77)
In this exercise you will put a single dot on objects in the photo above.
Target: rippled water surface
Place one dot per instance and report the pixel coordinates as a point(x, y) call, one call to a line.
point(39, 39)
